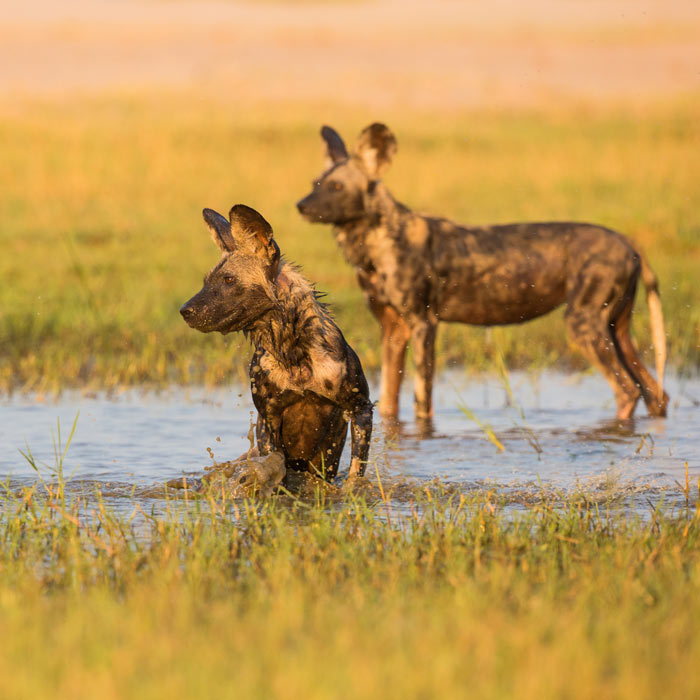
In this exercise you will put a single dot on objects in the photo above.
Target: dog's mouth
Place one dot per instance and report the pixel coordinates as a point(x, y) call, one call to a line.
point(234, 322)
point(228, 324)
point(310, 212)
point(325, 219)
point(313, 216)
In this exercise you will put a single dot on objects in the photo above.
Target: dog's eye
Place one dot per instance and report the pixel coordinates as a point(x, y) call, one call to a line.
point(229, 279)
point(336, 186)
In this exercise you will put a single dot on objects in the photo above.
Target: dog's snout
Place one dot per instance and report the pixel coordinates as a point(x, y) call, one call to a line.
point(186, 311)
point(301, 206)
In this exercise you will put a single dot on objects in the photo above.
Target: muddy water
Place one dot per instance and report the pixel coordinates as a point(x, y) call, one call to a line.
point(550, 432)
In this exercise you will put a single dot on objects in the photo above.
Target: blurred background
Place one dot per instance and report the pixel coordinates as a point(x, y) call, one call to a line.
point(404, 54)
point(120, 121)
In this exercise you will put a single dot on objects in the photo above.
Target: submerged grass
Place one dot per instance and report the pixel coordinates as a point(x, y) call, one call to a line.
point(448, 597)
point(102, 237)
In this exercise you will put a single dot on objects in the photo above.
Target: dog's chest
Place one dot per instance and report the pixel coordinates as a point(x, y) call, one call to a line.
point(384, 257)
point(399, 272)
point(319, 373)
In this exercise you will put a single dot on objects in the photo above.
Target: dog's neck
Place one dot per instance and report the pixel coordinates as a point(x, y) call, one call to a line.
point(382, 212)
point(295, 326)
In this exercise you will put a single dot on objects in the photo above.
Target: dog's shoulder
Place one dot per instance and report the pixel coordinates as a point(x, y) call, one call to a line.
point(306, 350)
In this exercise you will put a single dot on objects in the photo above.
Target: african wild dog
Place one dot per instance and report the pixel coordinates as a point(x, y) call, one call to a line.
point(417, 270)
point(306, 381)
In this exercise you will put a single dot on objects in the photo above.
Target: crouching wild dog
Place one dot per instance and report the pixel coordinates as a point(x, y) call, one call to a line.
point(417, 270)
point(306, 381)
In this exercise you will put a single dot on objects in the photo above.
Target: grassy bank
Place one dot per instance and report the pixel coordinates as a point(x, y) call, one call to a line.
point(280, 599)
point(102, 237)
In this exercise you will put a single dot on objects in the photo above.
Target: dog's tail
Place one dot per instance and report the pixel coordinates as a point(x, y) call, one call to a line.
point(656, 319)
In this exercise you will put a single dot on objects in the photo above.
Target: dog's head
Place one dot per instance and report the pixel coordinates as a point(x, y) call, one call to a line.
point(239, 289)
point(344, 191)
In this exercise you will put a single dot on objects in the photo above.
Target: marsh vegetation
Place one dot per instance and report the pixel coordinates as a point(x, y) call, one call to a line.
point(346, 598)
point(102, 235)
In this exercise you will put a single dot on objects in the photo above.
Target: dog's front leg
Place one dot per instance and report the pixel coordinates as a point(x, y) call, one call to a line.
point(270, 404)
point(264, 436)
point(395, 335)
point(269, 427)
point(361, 433)
point(423, 333)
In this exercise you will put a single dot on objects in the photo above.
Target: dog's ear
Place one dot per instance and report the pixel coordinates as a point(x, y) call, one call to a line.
point(220, 230)
point(375, 148)
point(253, 234)
point(335, 148)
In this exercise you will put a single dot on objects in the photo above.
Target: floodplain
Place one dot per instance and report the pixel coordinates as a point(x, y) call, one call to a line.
point(524, 545)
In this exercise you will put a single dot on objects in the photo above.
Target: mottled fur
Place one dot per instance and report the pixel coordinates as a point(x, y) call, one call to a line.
point(417, 270)
point(307, 382)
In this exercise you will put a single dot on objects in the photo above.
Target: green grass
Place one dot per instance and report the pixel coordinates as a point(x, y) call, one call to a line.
point(452, 597)
point(102, 238)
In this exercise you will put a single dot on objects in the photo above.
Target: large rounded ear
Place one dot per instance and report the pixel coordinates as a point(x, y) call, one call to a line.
point(220, 230)
point(375, 148)
point(335, 148)
point(252, 233)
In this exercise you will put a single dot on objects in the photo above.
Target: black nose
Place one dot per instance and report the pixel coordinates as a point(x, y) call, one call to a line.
point(186, 311)
point(301, 206)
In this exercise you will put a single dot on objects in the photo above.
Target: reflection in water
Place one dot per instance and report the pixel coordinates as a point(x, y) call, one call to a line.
point(555, 430)
point(393, 429)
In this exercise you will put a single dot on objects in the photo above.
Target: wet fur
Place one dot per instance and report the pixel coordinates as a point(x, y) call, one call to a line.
point(307, 382)
point(418, 270)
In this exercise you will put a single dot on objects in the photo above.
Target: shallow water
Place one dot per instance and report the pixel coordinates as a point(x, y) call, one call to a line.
point(555, 429)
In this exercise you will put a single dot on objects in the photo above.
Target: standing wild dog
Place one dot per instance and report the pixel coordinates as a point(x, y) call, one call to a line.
point(417, 270)
point(306, 381)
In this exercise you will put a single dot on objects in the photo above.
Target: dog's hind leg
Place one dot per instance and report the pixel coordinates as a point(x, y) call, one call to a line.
point(395, 335)
point(645, 381)
point(594, 338)
point(597, 297)
point(423, 335)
